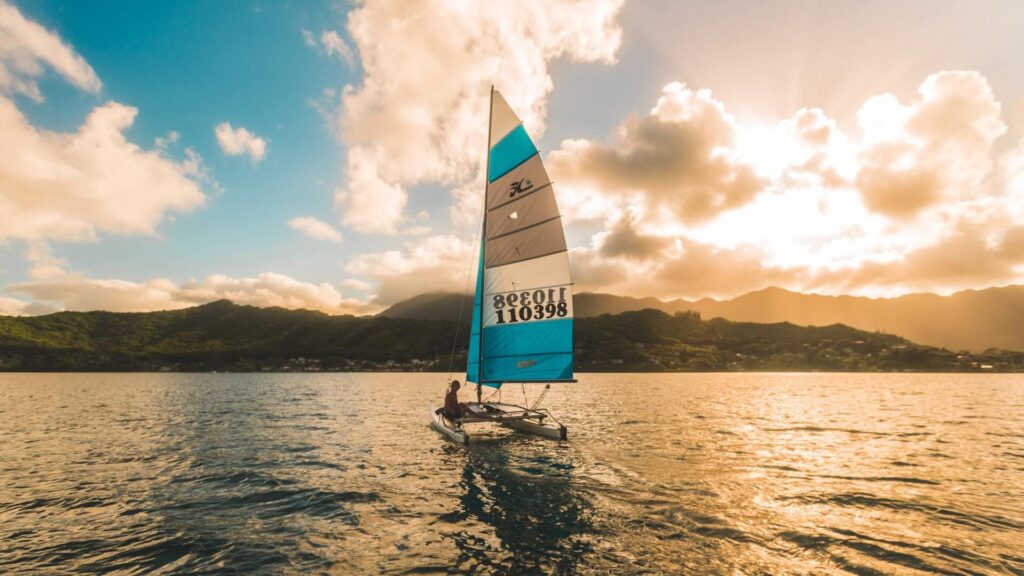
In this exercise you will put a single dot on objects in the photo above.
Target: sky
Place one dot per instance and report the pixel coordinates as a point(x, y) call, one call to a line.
point(329, 155)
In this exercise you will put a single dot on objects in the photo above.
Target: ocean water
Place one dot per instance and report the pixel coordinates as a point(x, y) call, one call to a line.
point(662, 474)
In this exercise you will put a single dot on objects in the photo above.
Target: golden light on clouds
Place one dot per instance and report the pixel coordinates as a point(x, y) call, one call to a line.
point(798, 202)
point(862, 150)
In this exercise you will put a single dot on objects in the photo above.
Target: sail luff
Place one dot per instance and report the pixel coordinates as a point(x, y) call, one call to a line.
point(483, 241)
point(473, 360)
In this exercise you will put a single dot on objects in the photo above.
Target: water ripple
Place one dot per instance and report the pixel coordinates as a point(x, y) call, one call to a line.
point(338, 473)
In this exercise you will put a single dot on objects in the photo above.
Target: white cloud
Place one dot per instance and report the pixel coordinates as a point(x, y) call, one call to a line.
point(270, 289)
point(921, 202)
point(934, 150)
point(681, 157)
point(25, 47)
point(357, 284)
point(417, 231)
point(627, 259)
point(73, 291)
point(335, 46)
point(12, 307)
point(239, 141)
point(332, 44)
point(52, 287)
point(309, 38)
point(373, 206)
point(436, 263)
point(44, 265)
point(70, 186)
point(164, 142)
point(420, 113)
point(315, 228)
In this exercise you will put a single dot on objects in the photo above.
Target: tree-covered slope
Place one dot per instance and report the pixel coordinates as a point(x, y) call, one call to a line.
point(216, 335)
point(225, 336)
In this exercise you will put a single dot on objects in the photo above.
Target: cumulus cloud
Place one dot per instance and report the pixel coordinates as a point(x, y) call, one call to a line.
point(622, 240)
point(270, 289)
point(628, 260)
point(357, 284)
point(239, 142)
point(12, 307)
point(74, 291)
point(315, 228)
point(418, 115)
point(372, 205)
point(44, 265)
point(436, 263)
point(804, 151)
point(26, 48)
point(696, 203)
point(681, 156)
point(938, 148)
point(70, 186)
point(969, 257)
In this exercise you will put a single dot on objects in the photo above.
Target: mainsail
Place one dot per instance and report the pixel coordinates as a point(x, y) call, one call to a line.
point(522, 311)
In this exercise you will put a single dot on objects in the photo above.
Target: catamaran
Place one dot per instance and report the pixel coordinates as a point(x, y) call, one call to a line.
point(522, 311)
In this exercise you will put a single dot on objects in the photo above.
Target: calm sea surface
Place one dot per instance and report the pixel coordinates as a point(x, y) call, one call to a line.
point(340, 473)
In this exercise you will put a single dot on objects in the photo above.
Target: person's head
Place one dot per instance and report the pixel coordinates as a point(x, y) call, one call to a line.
point(455, 385)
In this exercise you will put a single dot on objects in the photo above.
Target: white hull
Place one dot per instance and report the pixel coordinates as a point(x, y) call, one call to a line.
point(546, 430)
point(437, 422)
point(508, 415)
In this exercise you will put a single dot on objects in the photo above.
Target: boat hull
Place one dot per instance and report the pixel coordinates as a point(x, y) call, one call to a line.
point(539, 426)
point(546, 430)
point(437, 422)
point(506, 415)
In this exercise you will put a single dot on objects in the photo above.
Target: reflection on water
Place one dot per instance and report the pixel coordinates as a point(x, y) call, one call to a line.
point(337, 473)
point(527, 502)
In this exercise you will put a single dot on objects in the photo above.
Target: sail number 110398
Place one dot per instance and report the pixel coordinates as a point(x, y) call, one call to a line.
point(530, 305)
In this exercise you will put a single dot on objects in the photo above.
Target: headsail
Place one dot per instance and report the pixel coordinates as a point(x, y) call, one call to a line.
point(522, 311)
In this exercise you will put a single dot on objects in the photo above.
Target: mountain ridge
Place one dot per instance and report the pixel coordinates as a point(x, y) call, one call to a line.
point(222, 336)
point(974, 319)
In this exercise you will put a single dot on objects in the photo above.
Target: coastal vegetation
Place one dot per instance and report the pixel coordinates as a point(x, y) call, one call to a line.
point(227, 337)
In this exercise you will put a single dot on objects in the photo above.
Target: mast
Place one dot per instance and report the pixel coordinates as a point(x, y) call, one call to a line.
point(483, 244)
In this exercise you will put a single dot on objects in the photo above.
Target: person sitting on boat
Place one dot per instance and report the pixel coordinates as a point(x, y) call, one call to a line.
point(453, 409)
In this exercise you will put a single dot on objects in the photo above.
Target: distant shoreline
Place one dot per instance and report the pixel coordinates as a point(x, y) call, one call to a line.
point(457, 374)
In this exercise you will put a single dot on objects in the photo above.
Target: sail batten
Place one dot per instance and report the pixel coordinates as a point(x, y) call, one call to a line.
point(524, 228)
point(522, 309)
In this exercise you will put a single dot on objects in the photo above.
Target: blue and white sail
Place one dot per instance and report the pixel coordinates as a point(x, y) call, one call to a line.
point(522, 311)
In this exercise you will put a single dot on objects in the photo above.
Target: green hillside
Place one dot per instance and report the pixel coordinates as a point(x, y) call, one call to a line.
point(225, 336)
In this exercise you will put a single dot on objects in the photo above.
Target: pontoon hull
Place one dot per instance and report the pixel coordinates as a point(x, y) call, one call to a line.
point(437, 422)
point(511, 416)
point(546, 430)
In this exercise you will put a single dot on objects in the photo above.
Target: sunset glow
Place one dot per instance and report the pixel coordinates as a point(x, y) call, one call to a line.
point(794, 155)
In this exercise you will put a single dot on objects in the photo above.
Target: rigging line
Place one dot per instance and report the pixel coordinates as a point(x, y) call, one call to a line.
point(462, 307)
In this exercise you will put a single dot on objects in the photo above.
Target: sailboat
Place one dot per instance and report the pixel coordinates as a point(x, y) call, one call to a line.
point(522, 311)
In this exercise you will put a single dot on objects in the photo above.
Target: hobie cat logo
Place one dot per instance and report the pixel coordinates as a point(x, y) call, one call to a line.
point(526, 363)
point(520, 186)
